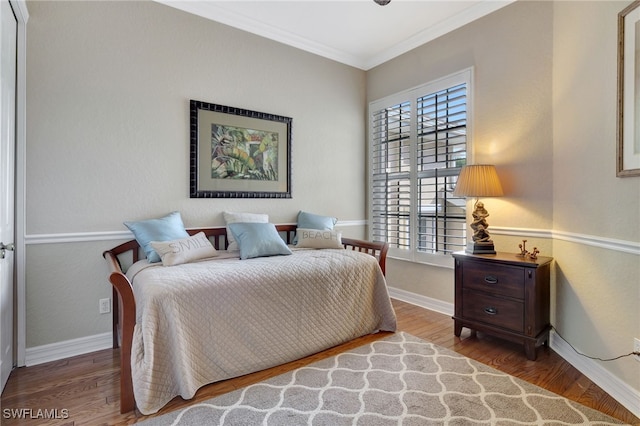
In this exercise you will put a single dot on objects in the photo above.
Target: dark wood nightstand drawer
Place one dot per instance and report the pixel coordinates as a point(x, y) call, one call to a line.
point(505, 295)
point(503, 313)
point(496, 279)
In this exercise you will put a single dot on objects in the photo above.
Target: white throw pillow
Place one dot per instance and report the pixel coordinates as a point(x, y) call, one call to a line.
point(319, 239)
point(230, 217)
point(184, 250)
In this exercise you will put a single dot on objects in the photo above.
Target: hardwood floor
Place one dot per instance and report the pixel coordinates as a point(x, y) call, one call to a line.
point(84, 390)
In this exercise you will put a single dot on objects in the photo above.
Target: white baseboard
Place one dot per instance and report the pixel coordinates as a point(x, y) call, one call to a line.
point(422, 301)
point(619, 390)
point(68, 348)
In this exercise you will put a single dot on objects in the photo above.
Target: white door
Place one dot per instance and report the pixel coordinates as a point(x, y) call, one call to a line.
point(8, 39)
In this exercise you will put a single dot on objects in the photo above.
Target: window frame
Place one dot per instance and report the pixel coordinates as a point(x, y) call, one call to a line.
point(412, 95)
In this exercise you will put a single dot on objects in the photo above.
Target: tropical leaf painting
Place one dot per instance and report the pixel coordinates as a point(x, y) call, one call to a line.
point(240, 153)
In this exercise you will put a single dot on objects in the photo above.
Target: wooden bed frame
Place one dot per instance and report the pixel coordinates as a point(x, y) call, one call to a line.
point(124, 303)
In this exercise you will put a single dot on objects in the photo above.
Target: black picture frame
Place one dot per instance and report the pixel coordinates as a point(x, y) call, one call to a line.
point(238, 153)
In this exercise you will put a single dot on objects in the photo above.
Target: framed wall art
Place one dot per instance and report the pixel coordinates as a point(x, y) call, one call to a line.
point(237, 153)
point(628, 148)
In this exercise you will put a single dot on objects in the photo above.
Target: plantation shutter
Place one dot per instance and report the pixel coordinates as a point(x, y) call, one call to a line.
point(441, 145)
point(391, 191)
point(418, 145)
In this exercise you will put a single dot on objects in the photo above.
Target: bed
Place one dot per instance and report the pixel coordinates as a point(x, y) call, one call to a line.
point(237, 316)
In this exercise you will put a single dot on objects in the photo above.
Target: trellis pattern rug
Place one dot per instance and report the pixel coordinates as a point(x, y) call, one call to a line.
point(398, 380)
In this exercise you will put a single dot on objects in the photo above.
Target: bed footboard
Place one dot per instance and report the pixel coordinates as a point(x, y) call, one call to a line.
point(124, 320)
point(124, 303)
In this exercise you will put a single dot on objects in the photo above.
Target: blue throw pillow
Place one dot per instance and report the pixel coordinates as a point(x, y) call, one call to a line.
point(258, 239)
point(166, 228)
point(314, 221)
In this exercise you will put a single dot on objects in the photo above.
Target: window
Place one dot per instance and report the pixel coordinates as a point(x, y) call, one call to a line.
point(418, 144)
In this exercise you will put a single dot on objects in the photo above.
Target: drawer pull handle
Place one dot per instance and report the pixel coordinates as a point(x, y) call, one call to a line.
point(490, 279)
point(491, 311)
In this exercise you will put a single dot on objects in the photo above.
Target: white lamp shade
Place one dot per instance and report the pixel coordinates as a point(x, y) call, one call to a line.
point(479, 180)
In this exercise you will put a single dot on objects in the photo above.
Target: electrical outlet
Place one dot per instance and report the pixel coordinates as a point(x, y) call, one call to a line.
point(105, 306)
point(636, 348)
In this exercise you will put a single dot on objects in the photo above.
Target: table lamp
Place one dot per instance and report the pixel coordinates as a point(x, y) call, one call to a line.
point(479, 181)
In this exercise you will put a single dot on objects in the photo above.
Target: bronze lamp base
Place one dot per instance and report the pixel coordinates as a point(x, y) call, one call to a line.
point(484, 247)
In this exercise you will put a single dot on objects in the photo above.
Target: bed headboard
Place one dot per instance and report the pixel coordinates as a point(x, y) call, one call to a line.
point(218, 237)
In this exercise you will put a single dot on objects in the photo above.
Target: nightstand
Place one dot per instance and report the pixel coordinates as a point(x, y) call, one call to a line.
point(503, 295)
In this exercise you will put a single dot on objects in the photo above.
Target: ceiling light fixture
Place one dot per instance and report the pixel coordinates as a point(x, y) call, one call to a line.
point(382, 2)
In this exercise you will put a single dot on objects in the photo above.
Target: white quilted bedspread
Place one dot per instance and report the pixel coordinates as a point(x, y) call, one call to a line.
point(213, 320)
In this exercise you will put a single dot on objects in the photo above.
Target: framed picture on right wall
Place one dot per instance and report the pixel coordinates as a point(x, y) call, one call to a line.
point(628, 126)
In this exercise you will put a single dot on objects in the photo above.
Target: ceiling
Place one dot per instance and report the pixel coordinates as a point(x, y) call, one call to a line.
point(359, 33)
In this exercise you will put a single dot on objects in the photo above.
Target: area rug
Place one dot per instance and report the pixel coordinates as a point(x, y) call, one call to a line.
point(398, 380)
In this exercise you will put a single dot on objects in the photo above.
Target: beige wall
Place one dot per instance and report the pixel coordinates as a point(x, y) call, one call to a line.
point(510, 51)
point(108, 90)
point(511, 123)
point(598, 290)
point(588, 196)
point(545, 114)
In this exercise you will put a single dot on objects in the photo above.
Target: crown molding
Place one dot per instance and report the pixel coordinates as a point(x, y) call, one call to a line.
point(222, 15)
point(215, 12)
point(467, 16)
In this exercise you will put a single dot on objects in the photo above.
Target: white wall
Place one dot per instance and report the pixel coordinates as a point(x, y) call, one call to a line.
point(108, 93)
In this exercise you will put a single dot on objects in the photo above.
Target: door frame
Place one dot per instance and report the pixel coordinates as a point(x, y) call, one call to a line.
point(20, 326)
